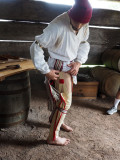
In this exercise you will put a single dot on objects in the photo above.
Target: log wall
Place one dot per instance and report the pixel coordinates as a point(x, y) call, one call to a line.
point(25, 19)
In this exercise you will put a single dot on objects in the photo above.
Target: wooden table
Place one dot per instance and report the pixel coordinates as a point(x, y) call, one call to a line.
point(24, 66)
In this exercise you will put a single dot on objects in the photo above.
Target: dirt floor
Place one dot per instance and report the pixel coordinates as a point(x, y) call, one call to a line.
point(96, 136)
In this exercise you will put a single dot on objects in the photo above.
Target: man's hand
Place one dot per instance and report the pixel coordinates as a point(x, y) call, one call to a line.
point(53, 75)
point(74, 68)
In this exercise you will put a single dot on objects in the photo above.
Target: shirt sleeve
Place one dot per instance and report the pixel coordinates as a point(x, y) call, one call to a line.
point(84, 47)
point(45, 40)
point(37, 56)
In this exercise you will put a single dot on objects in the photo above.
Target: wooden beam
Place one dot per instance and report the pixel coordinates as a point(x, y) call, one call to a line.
point(30, 10)
point(45, 12)
point(104, 36)
point(104, 17)
point(94, 57)
point(28, 31)
point(20, 31)
point(22, 49)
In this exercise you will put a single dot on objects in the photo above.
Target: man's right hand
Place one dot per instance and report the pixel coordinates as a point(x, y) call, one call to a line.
point(53, 75)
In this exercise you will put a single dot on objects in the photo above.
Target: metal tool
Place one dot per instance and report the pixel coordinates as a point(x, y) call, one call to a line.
point(12, 67)
point(13, 60)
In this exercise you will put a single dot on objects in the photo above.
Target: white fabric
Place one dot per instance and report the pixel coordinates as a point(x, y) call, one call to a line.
point(38, 58)
point(51, 63)
point(62, 43)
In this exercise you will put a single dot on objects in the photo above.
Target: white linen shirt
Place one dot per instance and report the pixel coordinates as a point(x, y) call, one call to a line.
point(62, 43)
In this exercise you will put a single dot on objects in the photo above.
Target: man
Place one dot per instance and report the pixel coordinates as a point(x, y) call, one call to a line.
point(115, 106)
point(66, 39)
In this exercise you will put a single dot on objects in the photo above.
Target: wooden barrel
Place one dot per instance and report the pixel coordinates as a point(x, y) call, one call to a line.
point(15, 94)
point(111, 58)
point(109, 80)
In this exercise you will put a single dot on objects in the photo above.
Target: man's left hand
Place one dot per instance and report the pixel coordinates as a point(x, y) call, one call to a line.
point(74, 68)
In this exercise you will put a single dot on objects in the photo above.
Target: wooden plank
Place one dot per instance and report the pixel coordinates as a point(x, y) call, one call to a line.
point(30, 10)
point(74, 98)
point(104, 36)
point(94, 57)
point(20, 31)
point(22, 49)
point(104, 17)
point(28, 31)
point(85, 90)
point(45, 12)
point(24, 66)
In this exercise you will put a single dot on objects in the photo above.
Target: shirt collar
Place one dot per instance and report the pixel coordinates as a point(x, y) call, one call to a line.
point(70, 26)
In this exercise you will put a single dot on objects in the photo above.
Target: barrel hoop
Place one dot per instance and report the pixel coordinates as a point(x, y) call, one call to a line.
point(14, 92)
point(11, 124)
point(13, 114)
point(14, 81)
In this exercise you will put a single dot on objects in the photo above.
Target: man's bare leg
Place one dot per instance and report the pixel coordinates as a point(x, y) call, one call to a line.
point(66, 127)
point(59, 141)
